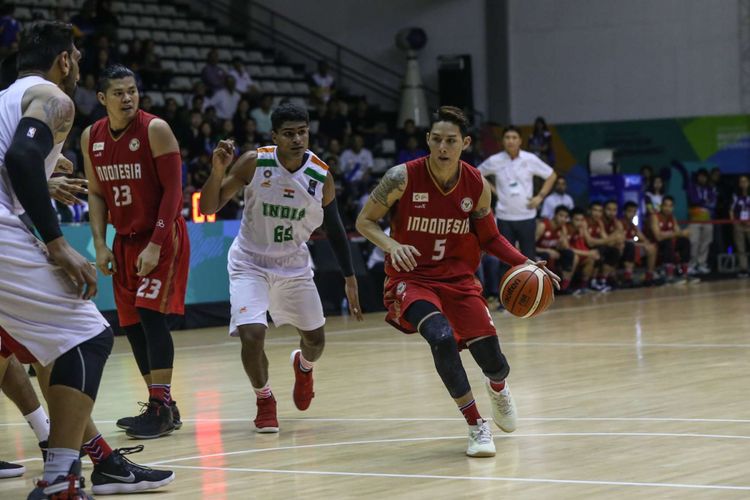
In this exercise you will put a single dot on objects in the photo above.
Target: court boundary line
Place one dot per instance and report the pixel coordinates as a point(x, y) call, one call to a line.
point(476, 478)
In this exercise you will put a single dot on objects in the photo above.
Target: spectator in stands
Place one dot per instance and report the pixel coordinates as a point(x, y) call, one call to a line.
point(607, 245)
point(402, 135)
point(411, 151)
point(147, 104)
point(262, 115)
point(553, 245)
point(653, 196)
point(84, 23)
point(226, 99)
point(672, 242)
point(192, 140)
point(209, 115)
point(243, 81)
point(227, 130)
point(9, 30)
point(540, 142)
point(331, 155)
point(355, 164)
point(99, 63)
point(512, 173)
point(152, 72)
point(322, 83)
point(556, 198)
point(636, 241)
point(333, 124)
point(85, 98)
point(199, 169)
point(242, 115)
point(208, 140)
point(171, 115)
point(647, 176)
point(722, 232)
point(740, 215)
point(212, 74)
point(587, 257)
point(134, 53)
point(364, 121)
point(249, 134)
point(702, 206)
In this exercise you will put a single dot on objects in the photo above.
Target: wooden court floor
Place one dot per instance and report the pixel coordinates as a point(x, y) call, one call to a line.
point(634, 394)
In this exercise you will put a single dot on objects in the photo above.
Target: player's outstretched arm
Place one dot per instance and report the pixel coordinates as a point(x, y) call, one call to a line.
point(47, 118)
point(220, 188)
point(340, 245)
point(98, 213)
point(382, 198)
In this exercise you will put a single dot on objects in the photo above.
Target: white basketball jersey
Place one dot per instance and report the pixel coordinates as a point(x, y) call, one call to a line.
point(10, 115)
point(282, 209)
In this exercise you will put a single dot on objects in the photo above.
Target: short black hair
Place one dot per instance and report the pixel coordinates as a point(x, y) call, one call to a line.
point(113, 72)
point(512, 128)
point(577, 211)
point(452, 115)
point(288, 112)
point(41, 43)
point(629, 204)
point(595, 203)
point(561, 208)
point(611, 201)
point(667, 197)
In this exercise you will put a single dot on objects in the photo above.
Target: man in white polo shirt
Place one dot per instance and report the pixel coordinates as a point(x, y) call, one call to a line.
point(513, 171)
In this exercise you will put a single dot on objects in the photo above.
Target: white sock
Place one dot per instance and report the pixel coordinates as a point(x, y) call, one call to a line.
point(264, 392)
point(58, 463)
point(39, 423)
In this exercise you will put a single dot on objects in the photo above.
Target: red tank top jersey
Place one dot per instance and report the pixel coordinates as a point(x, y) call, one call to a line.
point(550, 238)
point(666, 224)
point(577, 240)
point(630, 229)
point(610, 225)
point(437, 224)
point(126, 171)
point(595, 230)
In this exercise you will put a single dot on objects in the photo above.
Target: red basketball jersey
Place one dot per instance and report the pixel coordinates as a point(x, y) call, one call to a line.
point(126, 171)
point(666, 224)
point(609, 226)
point(577, 240)
point(437, 223)
point(594, 227)
point(631, 231)
point(550, 238)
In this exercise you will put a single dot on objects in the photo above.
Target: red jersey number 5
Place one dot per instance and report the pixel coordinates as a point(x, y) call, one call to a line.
point(439, 250)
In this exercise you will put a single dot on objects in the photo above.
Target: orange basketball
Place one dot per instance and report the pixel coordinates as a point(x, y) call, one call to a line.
point(526, 291)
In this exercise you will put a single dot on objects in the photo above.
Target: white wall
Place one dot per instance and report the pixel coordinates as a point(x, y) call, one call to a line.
point(593, 60)
point(369, 27)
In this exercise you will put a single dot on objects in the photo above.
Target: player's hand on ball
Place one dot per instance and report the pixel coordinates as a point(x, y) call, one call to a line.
point(542, 264)
point(63, 166)
point(404, 257)
point(148, 259)
point(105, 261)
point(79, 270)
point(65, 189)
point(352, 295)
point(223, 155)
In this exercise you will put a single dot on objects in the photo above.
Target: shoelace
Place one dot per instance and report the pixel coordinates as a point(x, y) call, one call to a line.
point(129, 451)
point(144, 409)
point(503, 403)
point(483, 434)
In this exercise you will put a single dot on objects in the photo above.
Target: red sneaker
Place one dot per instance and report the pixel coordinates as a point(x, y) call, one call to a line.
point(303, 383)
point(266, 421)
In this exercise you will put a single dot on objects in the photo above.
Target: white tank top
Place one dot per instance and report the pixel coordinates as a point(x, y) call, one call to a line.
point(10, 115)
point(282, 209)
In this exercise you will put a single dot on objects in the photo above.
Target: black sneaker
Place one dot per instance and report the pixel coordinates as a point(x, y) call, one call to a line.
point(155, 422)
point(126, 423)
point(176, 415)
point(8, 469)
point(117, 474)
point(70, 486)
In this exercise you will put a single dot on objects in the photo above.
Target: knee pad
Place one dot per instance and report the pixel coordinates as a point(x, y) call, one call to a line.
point(439, 334)
point(486, 352)
point(158, 339)
point(81, 367)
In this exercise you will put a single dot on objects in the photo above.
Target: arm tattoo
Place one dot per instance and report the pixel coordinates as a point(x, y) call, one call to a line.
point(482, 212)
point(394, 179)
point(59, 113)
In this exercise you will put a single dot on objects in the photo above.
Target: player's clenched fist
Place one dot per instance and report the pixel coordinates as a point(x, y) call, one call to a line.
point(223, 155)
point(105, 260)
point(404, 257)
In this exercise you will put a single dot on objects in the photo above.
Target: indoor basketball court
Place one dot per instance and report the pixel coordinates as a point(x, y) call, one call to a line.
point(626, 395)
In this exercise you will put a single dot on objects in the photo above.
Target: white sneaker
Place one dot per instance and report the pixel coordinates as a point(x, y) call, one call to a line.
point(503, 407)
point(480, 440)
point(704, 269)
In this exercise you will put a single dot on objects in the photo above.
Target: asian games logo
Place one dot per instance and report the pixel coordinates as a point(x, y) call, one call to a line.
point(467, 204)
point(134, 144)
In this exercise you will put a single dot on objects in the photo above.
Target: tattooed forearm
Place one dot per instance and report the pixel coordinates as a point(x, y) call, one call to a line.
point(59, 113)
point(394, 179)
point(482, 212)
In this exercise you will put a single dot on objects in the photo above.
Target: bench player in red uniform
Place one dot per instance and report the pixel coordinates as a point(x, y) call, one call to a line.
point(635, 240)
point(440, 223)
point(581, 245)
point(133, 166)
point(553, 245)
point(671, 240)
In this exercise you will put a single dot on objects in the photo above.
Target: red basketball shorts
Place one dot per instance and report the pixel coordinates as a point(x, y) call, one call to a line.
point(460, 300)
point(9, 347)
point(164, 289)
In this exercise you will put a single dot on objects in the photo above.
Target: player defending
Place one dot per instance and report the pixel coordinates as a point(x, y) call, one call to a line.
point(133, 166)
point(440, 223)
point(289, 192)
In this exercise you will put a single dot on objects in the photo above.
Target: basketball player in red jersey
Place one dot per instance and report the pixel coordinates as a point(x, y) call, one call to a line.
point(440, 223)
point(672, 241)
point(607, 246)
point(580, 243)
point(553, 245)
point(636, 240)
point(133, 166)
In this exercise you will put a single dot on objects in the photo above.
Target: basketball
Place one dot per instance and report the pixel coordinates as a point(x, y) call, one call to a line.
point(526, 291)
